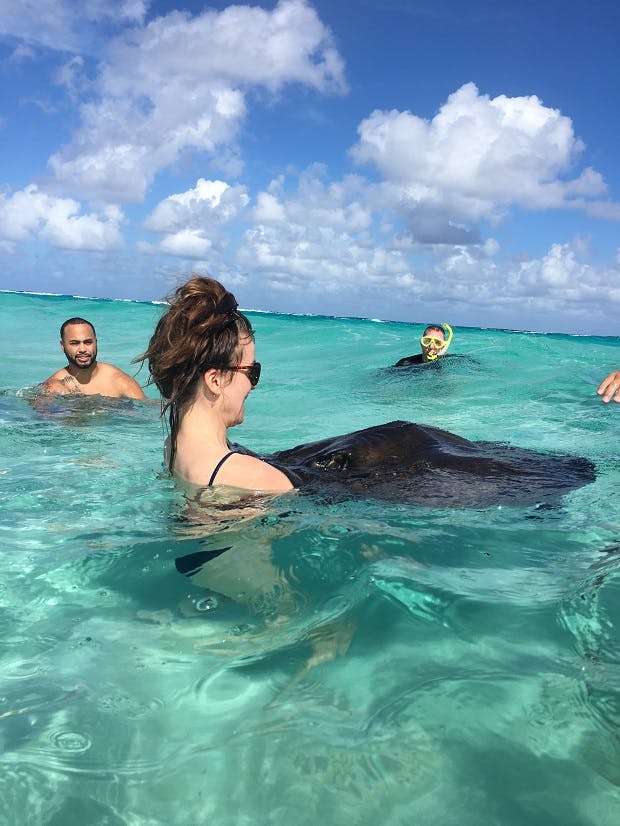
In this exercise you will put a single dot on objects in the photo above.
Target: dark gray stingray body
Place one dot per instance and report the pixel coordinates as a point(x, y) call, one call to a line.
point(423, 465)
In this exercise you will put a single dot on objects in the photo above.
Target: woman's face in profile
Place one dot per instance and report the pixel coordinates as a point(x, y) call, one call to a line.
point(236, 391)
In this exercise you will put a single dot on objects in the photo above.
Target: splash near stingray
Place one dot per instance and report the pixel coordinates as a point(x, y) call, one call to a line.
point(423, 465)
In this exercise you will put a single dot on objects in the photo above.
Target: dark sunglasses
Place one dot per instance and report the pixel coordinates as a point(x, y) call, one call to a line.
point(253, 371)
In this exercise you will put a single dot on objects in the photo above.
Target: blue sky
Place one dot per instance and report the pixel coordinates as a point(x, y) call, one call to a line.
point(395, 159)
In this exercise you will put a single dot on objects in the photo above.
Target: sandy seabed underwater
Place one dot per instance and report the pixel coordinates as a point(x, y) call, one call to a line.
point(348, 662)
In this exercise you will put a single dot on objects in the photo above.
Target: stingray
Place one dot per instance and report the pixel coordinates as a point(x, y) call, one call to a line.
point(418, 464)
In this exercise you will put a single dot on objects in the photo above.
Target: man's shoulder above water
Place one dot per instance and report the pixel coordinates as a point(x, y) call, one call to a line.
point(103, 380)
point(409, 360)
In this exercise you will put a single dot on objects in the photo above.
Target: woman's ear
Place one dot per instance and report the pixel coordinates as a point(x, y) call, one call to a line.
point(212, 380)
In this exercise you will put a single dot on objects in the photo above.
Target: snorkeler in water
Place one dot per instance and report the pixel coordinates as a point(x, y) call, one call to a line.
point(434, 345)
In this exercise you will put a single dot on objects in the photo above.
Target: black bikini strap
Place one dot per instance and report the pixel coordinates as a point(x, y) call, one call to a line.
point(218, 466)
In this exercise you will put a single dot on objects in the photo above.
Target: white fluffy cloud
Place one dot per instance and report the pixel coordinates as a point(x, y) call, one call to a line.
point(208, 203)
point(187, 243)
point(65, 24)
point(322, 261)
point(563, 280)
point(566, 274)
point(324, 239)
point(190, 221)
point(477, 157)
point(339, 206)
point(179, 84)
point(30, 215)
point(318, 238)
point(20, 54)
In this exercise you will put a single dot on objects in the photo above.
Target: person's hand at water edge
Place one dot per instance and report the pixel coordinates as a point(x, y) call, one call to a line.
point(609, 388)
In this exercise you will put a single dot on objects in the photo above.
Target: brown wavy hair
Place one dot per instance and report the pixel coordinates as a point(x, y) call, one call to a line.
point(200, 330)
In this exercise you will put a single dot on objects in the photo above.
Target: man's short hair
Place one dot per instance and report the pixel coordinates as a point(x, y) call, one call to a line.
point(76, 320)
point(430, 327)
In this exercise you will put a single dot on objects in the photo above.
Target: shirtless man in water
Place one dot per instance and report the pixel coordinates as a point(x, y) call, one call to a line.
point(84, 374)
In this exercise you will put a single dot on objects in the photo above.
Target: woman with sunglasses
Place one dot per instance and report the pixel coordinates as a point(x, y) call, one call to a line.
point(201, 357)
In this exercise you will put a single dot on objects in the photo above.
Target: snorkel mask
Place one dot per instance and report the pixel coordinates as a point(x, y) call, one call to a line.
point(427, 341)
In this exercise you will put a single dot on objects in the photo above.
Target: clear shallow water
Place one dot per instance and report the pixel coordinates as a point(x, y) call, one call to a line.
point(402, 665)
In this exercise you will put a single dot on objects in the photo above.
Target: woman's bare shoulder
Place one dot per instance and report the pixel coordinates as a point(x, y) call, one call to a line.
point(252, 473)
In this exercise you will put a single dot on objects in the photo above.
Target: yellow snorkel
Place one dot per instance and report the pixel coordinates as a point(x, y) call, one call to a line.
point(427, 341)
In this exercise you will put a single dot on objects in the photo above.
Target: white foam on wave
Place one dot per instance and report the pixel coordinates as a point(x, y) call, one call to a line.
point(82, 297)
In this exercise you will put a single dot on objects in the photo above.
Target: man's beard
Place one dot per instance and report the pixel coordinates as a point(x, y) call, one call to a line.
point(82, 365)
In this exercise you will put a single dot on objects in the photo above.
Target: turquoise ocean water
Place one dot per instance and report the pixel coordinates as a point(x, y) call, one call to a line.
point(403, 665)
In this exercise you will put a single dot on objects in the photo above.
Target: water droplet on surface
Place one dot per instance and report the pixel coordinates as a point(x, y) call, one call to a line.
point(71, 741)
point(241, 629)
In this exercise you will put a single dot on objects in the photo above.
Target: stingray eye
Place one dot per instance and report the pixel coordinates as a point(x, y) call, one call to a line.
point(339, 461)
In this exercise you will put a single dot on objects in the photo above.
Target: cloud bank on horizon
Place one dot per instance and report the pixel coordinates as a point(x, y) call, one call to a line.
point(146, 157)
